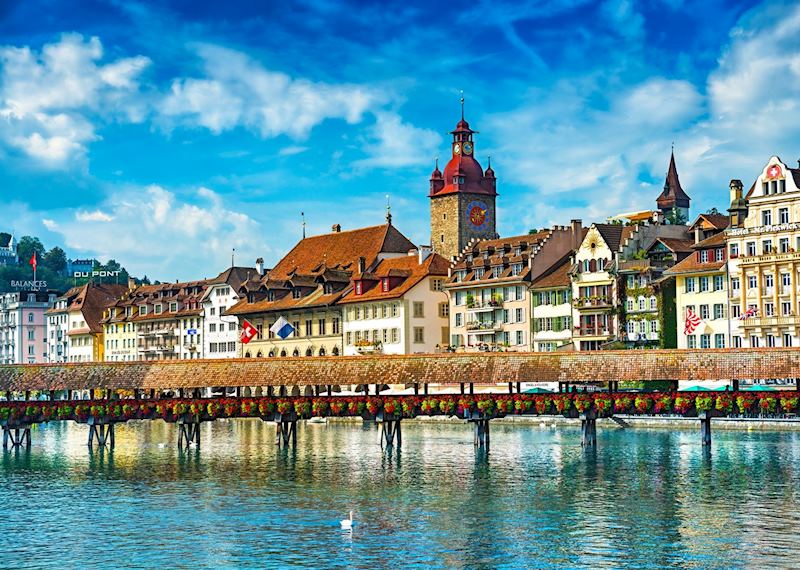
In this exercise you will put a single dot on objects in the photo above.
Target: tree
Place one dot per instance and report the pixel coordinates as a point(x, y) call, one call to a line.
point(712, 211)
point(55, 260)
point(26, 246)
point(676, 217)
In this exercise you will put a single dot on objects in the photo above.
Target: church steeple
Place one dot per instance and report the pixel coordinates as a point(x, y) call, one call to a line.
point(673, 196)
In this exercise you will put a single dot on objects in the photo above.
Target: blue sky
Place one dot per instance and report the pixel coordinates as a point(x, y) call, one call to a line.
point(165, 134)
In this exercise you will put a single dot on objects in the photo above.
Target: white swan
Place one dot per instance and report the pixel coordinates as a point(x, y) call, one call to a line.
point(347, 524)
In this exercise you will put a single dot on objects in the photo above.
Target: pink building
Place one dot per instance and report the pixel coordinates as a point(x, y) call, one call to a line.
point(23, 334)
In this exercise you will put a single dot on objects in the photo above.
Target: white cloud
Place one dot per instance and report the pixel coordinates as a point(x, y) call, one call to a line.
point(95, 216)
point(48, 99)
point(394, 144)
point(152, 230)
point(292, 150)
point(238, 91)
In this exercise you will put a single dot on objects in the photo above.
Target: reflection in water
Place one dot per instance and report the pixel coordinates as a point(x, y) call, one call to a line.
point(641, 499)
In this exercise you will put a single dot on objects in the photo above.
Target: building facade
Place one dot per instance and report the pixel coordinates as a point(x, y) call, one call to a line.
point(8, 249)
point(23, 328)
point(462, 198)
point(221, 333)
point(398, 308)
point(763, 246)
point(489, 287)
point(306, 286)
point(551, 309)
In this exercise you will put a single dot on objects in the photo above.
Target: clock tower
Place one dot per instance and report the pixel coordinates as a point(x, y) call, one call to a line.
point(462, 197)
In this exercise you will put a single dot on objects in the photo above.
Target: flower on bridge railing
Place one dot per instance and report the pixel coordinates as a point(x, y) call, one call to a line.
point(622, 404)
point(447, 406)
point(486, 406)
point(320, 407)
point(724, 403)
point(663, 404)
point(642, 403)
point(683, 404)
point(745, 403)
point(789, 404)
point(767, 404)
point(542, 405)
point(266, 407)
point(562, 403)
point(302, 408)
point(602, 403)
point(337, 407)
point(249, 408)
point(703, 403)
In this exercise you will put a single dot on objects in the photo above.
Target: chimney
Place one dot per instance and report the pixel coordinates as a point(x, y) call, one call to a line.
point(260, 266)
point(736, 190)
point(576, 229)
point(362, 264)
point(131, 284)
point(336, 228)
point(424, 253)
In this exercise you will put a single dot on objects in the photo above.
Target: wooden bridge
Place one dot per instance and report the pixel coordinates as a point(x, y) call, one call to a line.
point(285, 390)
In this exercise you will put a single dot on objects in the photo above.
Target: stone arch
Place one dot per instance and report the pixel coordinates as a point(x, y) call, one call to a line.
point(283, 352)
point(322, 351)
point(335, 351)
point(308, 391)
point(295, 391)
point(272, 354)
point(296, 352)
point(247, 355)
point(309, 352)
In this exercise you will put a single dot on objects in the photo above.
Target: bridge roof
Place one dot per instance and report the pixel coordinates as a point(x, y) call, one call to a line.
point(480, 368)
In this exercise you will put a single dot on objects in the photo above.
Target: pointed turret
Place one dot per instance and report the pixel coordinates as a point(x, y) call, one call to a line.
point(673, 197)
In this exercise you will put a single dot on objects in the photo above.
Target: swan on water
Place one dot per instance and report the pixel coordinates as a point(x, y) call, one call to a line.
point(347, 524)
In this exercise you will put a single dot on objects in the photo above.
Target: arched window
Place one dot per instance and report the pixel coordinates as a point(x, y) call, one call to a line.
point(259, 355)
point(592, 265)
point(296, 352)
point(30, 317)
point(272, 354)
point(283, 352)
point(335, 351)
point(309, 352)
point(322, 351)
point(247, 355)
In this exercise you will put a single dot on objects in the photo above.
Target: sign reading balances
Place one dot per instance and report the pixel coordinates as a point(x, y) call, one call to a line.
point(477, 215)
point(29, 285)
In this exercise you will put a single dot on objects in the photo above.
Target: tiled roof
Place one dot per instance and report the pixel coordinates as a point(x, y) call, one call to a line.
point(711, 241)
point(557, 277)
point(341, 250)
point(673, 194)
point(692, 265)
point(321, 266)
point(91, 300)
point(613, 234)
point(676, 245)
point(718, 221)
point(480, 368)
point(406, 268)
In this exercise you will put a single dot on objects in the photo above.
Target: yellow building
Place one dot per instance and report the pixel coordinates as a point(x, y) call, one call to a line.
point(764, 249)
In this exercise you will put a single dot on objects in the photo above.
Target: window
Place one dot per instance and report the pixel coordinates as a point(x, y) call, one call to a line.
point(703, 255)
point(395, 310)
point(769, 281)
point(309, 327)
point(719, 254)
point(436, 284)
point(143, 310)
point(296, 327)
point(518, 317)
point(786, 308)
point(520, 337)
point(31, 350)
point(734, 250)
point(630, 305)
point(322, 325)
point(718, 283)
point(690, 285)
point(419, 309)
point(497, 271)
point(783, 245)
point(751, 282)
point(766, 218)
point(787, 339)
point(786, 280)
point(691, 341)
point(173, 307)
point(751, 248)
point(348, 338)
point(335, 325)
point(767, 245)
point(719, 341)
point(769, 309)
point(212, 327)
point(704, 312)
point(395, 336)
point(719, 311)
point(771, 341)
point(444, 310)
point(459, 319)
point(516, 268)
point(703, 284)
point(653, 326)
point(754, 342)
point(231, 326)
point(30, 335)
point(705, 341)
point(30, 317)
point(737, 342)
point(157, 309)
point(479, 273)
point(520, 296)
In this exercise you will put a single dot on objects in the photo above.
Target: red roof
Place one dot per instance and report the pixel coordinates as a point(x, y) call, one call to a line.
point(673, 195)
point(408, 269)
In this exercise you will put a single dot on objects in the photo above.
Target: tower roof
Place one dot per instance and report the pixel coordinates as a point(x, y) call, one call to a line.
point(463, 174)
point(672, 195)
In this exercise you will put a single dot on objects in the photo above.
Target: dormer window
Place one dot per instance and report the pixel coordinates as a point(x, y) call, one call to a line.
point(479, 273)
point(327, 288)
point(497, 271)
point(359, 287)
point(703, 255)
point(517, 252)
point(469, 258)
point(516, 268)
point(173, 307)
point(385, 285)
point(142, 310)
point(270, 296)
point(157, 309)
point(296, 293)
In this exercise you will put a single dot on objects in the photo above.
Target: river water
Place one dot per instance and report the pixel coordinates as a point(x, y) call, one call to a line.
point(643, 499)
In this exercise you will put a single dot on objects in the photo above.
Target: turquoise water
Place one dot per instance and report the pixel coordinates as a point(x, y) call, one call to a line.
point(643, 499)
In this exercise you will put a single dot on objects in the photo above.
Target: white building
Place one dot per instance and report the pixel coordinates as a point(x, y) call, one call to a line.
point(221, 337)
point(57, 326)
point(551, 309)
point(398, 308)
point(23, 328)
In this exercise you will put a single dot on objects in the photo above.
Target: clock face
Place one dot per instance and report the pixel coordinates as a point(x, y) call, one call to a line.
point(457, 148)
point(478, 216)
point(467, 148)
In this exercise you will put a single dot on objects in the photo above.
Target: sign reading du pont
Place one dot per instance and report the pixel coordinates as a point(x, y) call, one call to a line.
point(80, 274)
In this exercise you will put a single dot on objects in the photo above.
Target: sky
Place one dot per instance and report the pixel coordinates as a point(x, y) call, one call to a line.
point(165, 134)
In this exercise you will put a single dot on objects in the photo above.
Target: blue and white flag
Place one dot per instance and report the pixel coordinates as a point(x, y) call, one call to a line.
point(282, 328)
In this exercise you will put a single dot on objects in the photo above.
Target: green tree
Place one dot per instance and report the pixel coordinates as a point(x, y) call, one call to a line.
point(26, 246)
point(712, 211)
point(55, 260)
point(676, 217)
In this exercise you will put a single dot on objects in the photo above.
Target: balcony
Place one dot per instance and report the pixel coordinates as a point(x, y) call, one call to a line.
point(592, 303)
point(478, 307)
point(773, 321)
point(485, 326)
point(594, 330)
point(775, 257)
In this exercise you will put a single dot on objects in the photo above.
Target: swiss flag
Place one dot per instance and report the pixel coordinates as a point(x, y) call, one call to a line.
point(33, 261)
point(249, 332)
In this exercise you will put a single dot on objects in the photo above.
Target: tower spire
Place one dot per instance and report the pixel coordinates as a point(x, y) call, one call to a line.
point(303, 218)
point(462, 104)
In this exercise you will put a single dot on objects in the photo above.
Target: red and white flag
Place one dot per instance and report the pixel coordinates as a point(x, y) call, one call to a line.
point(692, 322)
point(750, 312)
point(33, 261)
point(249, 332)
